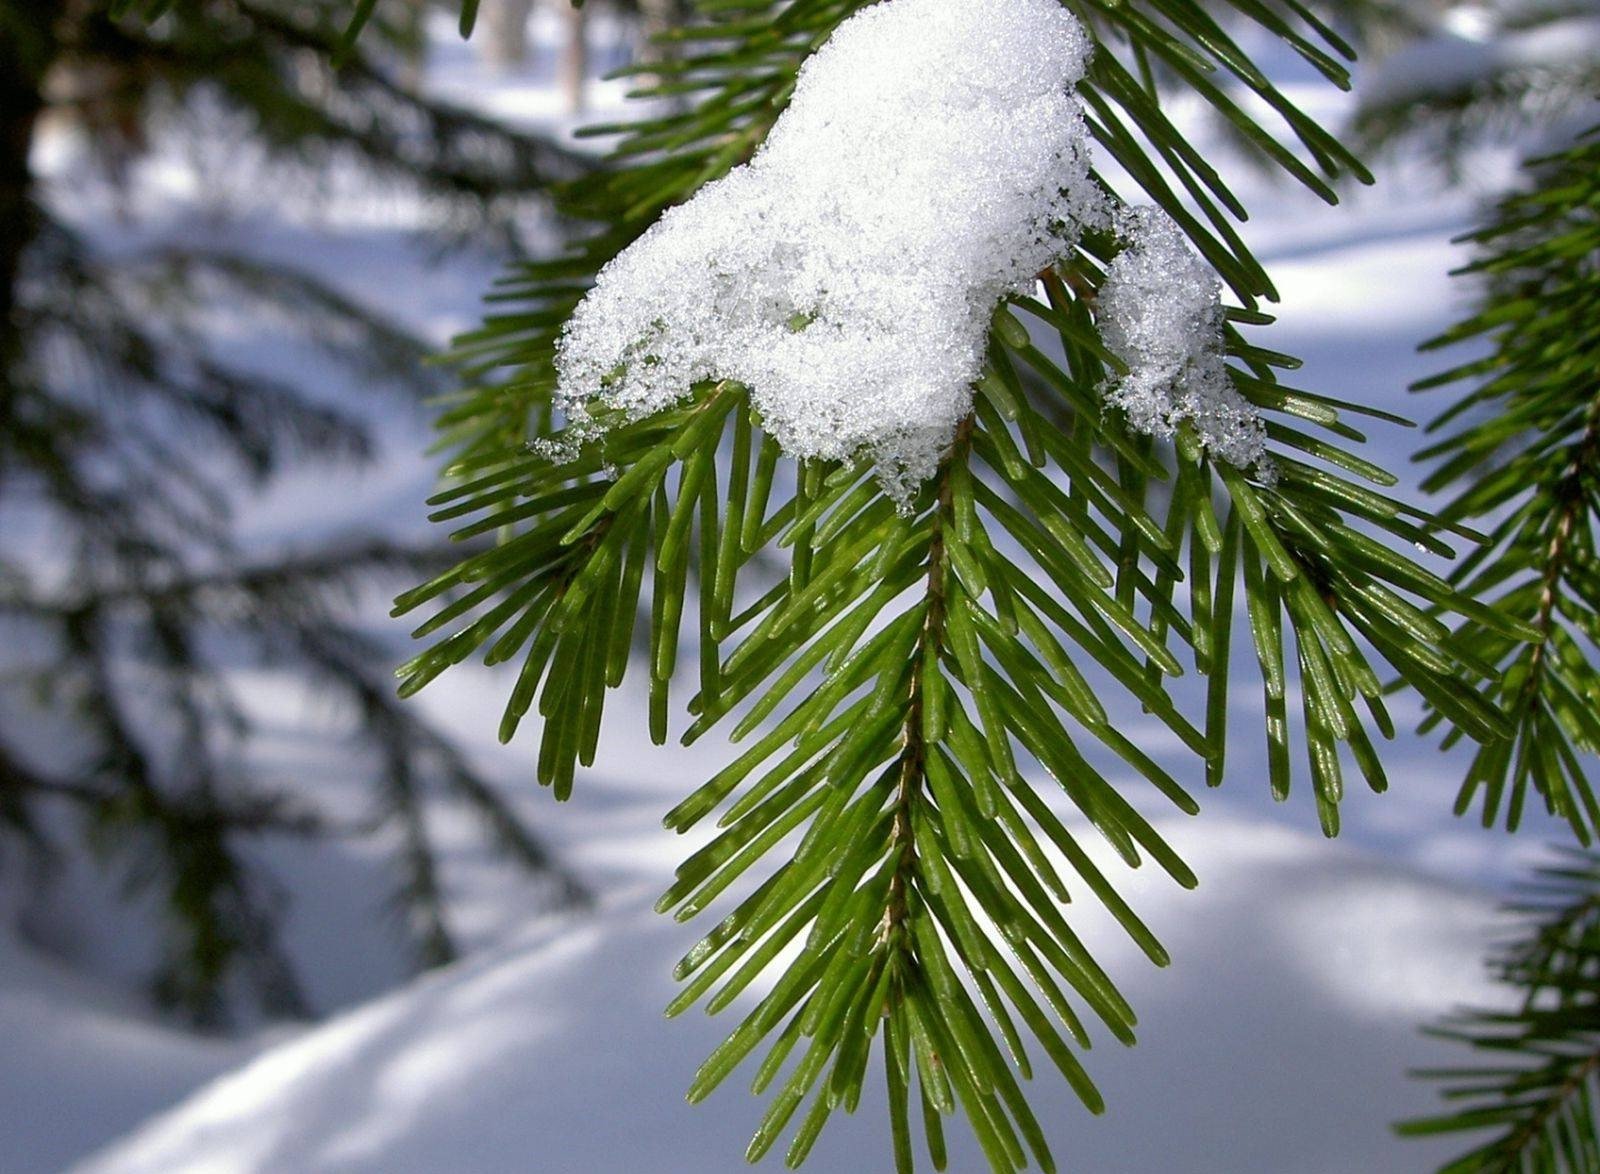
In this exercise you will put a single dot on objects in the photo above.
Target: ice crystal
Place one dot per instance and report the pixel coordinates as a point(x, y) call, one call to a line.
point(1160, 313)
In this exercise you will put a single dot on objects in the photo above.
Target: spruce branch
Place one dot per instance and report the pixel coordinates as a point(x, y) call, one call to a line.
point(126, 430)
point(276, 61)
point(1537, 1092)
point(1526, 462)
point(1437, 91)
point(928, 692)
point(898, 767)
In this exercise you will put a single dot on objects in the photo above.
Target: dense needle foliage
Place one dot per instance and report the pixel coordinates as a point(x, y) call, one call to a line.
point(1532, 1101)
point(1522, 449)
point(127, 435)
point(908, 680)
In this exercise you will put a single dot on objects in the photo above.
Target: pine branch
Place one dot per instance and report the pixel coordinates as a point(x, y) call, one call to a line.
point(152, 383)
point(288, 606)
point(126, 430)
point(1439, 92)
point(911, 675)
point(883, 873)
point(471, 166)
point(1528, 461)
point(219, 910)
point(1539, 1097)
point(872, 885)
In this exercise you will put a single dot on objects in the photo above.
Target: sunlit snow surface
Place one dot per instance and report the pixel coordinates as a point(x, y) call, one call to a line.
point(1276, 1043)
point(934, 158)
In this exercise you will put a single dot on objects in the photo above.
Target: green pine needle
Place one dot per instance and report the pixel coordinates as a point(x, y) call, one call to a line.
point(1536, 1093)
point(925, 694)
point(1526, 464)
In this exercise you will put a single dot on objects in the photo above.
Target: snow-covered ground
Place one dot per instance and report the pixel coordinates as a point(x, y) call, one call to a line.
point(1276, 1043)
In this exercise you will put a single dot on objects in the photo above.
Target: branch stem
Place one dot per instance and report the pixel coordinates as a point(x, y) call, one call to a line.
point(913, 754)
point(1569, 492)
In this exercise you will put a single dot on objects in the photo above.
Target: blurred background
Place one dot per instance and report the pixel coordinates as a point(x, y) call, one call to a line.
point(224, 266)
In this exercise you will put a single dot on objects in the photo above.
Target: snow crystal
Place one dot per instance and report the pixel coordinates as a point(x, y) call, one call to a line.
point(933, 159)
point(1160, 313)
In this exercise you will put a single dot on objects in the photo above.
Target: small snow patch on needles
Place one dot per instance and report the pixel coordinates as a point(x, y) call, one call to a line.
point(933, 160)
point(1160, 314)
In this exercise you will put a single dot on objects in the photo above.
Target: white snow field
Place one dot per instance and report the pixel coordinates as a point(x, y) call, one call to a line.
point(1276, 1043)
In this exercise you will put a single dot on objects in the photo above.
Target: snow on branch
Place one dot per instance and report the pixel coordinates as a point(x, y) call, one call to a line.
point(934, 159)
point(1161, 314)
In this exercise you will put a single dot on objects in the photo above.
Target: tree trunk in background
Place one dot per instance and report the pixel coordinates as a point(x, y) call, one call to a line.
point(505, 32)
point(575, 56)
point(656, 17)
point(28, 46)
point(503, 25)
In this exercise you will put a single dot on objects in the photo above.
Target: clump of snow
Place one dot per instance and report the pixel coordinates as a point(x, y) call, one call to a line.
point(933, 159)
point(1160, 313)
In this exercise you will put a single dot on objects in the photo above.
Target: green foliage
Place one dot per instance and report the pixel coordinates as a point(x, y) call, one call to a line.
point(1517, 75)
point(908, 679)
point(271, 60)
point(1536, 1094)
point(1524, 451)
point(126, 436)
